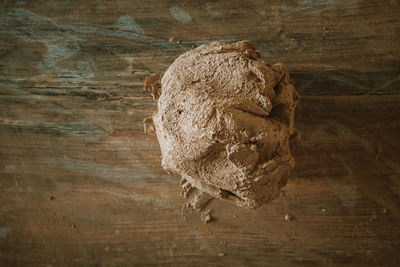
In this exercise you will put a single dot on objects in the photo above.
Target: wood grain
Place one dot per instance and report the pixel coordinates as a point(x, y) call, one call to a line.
point(82, 185)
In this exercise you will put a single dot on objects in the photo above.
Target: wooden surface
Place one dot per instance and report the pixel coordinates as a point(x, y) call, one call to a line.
point(81, 184)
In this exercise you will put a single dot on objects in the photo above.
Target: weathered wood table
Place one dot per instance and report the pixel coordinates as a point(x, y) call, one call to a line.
point(81, 184)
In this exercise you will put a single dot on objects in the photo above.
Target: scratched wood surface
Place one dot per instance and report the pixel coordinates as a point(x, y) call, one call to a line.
point(81, 184)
